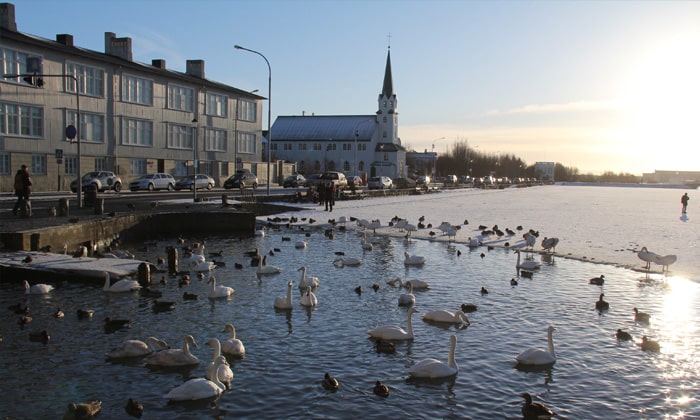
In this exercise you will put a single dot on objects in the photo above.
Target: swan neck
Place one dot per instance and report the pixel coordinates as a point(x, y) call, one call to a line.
point(550, 343)
point(410, 323)
point(451, 356)
point(217, 349)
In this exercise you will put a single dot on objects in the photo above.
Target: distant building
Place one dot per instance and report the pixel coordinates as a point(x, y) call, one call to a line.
point(421, 163)
point(364, 145)
point(671, 177)
point(544, 171)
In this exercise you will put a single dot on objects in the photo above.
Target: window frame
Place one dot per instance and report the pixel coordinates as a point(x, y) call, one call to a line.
point(137, 90)
point(141, 134)
point(216, 105)
point(183, 94)
point(90, 79)
point(87, 129)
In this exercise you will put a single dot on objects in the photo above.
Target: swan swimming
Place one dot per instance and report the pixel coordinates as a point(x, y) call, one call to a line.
point(528, 265)
point(351, 262)
point(201, 266)
point(539, 357)
point(408, 298)
point(285, 302)
point(137, 348)
point(415, 283)
point(433, 368)
point(174, 357)
point(445, 316)
point(122, 285)
point(37, 289)
point(232, 346)
point(307, 281)
point(309, 298)
point(266, 269)
point(413, 259)
point(366, 244)
point(390, 332)
point(218, 291)
point(198, 388)
point(222, 371)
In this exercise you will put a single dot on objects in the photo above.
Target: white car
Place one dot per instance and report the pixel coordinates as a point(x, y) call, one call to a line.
point(99, 180)
point(152, 182)
point(380, 183)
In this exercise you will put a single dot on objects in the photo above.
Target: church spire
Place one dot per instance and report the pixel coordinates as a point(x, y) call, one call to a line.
point(388, 89)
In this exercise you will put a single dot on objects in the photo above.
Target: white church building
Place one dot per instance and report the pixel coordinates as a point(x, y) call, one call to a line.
point(363, 145)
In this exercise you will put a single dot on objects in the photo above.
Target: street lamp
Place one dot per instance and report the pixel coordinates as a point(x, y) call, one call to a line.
point(436, 160)
point(269, 108)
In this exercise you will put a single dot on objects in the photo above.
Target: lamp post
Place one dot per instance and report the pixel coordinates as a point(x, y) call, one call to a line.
point(269, 108)
point(194, 160)
point(436, 159)
point(469, 152)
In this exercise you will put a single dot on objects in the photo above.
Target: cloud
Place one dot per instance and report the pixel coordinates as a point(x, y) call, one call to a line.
point(578, 106)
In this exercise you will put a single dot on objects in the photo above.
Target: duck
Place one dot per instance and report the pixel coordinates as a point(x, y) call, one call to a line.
point(189, 296)
point(535, 410)
point(347, 261)
point(232, 346)
point(24, 320)
point(309, 298)
point(380, 389)
point(598, 281)
point(82, 411)
point(623, 335)
point(528, 264)
point(549, 244)
point(484, 291)
point(650, 345)
point(112, 325)
point(307, 281)
point(384, 346)
point(174, 357)
point(602, 305)
point(641, 316)
point(133, 408)
point(37, 289)
point(526, 274)
point(148, 292)
point(85, 313)
point(266, 269)
point(40, 336)
point(391, 332)
point(137, 348)
point(447, 317)
point(413, 260)
point(198, 388)
point(330, 383)
point(468, 307)
point(59, 313)
point(359, 290)
point(513, 282)
point(218, 291)
point(123, 285)
point(220, 370)
point(285, 302)
point(539, 357)
point(163, 305)
point(647, 256)
point(408, 298)
point(434, 369)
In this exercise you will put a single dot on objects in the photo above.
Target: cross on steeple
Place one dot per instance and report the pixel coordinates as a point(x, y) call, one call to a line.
point(389, 36)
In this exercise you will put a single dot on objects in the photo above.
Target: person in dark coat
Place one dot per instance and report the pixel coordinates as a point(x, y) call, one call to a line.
point(684, 201)
point(23, 187)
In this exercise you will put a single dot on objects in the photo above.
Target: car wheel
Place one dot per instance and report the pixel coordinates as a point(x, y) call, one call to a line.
point(255, 185)
point(210, 186)
point(96, 187)
point(118, 187)
point(170, 187)
point(151, 187)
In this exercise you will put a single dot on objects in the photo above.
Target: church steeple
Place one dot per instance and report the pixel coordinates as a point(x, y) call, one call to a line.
point(388, 89)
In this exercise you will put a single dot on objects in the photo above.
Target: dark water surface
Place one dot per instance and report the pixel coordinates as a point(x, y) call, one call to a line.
point(288, 352)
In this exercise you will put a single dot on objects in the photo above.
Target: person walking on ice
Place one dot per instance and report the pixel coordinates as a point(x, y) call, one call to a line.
point(684, 201)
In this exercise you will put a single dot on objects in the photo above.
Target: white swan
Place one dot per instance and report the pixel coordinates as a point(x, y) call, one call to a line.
point(221, 371)
point(307, 281)
point(366, 244)
point(285, 302)
point(413, 259)
point(538, 357)
point(550, 244)
point(433, 368)
point(266, 269)
point(664, 261)
point(530, 240)
point(445, 316)
point(390, 332)
point(301, 244)
point(527, 265)
point(122, 285)
point(174, 357)
point(646, 256)
point(137, 348)
point(415, 283)
point(232, 346)
point(309, 298)
point(408, 298)
point(37, 289)
point(473, 243)
point(201, 266)
point(218, 291)
point(343, 261)
point(198, 388)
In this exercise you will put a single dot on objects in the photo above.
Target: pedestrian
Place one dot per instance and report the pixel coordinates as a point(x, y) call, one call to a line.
point(23, 187)
point(328, 195)
point(684, 201)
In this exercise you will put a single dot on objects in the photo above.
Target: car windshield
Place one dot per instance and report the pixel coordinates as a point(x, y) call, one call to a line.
point(90, 175)
point(144, 177)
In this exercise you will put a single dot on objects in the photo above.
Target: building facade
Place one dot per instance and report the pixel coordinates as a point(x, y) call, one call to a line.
point(363, 145)
point(131, 118)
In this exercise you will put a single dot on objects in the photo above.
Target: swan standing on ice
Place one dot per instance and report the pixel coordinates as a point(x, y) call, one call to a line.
point(445, 316)
point(664, 261)
point(550, 244)
point(309, 298)
point(413, 259)
point(307, 281)
point(285, 302)
point(527, 265)
point(37, 289)
point(137, 348)
point(218, 291)
point(198, 388)
point(539, 357)
point(408, 298)
point(122, 285)
point(646, 256)
point(232, 346)
point(174, 357)
point(366, 244)
point(221, 371)
point(390, 332)
point(433, 368)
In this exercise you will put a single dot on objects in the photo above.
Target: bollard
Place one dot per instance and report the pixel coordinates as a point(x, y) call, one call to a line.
point(63, 207)
point(90, 196)
point(224, 200)
point(172, 260)
point(99, 206)
point(144, 274)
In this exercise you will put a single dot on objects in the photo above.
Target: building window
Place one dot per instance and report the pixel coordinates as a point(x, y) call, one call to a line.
point(317, 147)
point(361, 166)
point(302, 147)
point(347, 147)
point(4, 163)
point(362, 147)
point(70, 165)
point(101, 164)
point(91, 126)
point(215, 140)
point(21, 120)
point(384, 134)
point(39, 164)
point(247, 110)
point(90, 80)
point(273, 146)
point(246, 143)
point(180, 98)
point(181, 137)
point(137, 90)
point(224, 169)
point(137, 132)
point(13, 62)
point(346, 166)
point(331, 147)
point(217, 105)
point(287, 147)
point(138, 166)
point(317, 165)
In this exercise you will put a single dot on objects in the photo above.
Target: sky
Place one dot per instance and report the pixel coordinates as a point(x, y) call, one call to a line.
point(595, 85)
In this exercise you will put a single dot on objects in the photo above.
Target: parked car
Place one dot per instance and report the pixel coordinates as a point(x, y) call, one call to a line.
point(405, 183)
point(451, 179)
point(294, 181)
point(355, 181)
point(152, 182)
point(423, 180)
point(314, 180)
point(380, 183)
point(187, 182)
point(242, 180)
point(100, 180)
point(338, 178)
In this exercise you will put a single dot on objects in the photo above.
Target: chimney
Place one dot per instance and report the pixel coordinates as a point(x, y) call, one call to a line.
point(118, 47)
point(7, 17)
point(65, 39)
point(195, 68)
point(158, 63)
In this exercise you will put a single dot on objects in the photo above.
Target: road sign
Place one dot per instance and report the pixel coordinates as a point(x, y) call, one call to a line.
point(59, 153)
point(71, 131)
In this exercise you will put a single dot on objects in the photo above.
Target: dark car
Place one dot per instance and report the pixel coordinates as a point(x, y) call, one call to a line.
point(314, 180)
point(188, 182)
point(242, 180)
point(294, 181)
